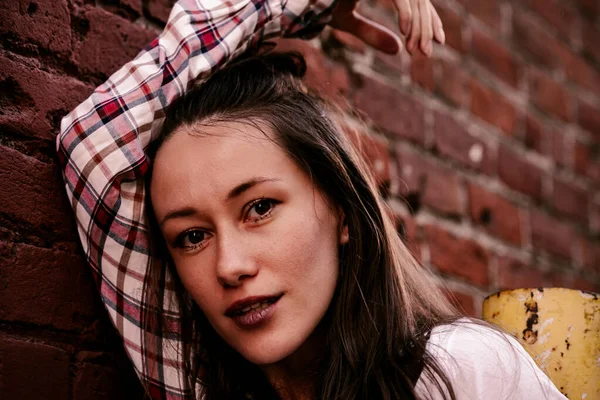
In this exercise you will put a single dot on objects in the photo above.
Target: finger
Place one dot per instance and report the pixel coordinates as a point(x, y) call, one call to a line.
point(438, 27)
point(415, 28)
point(375, 35)
point(404, 15)
point(426, 29)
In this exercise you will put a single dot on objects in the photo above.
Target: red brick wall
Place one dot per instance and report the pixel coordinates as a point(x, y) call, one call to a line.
point(488, 153)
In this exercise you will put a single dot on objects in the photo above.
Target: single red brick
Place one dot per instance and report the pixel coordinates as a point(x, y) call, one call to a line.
point(560, 16)
point(43, 22)
point(541, 46)
point(518, 173)
point(110, 42)
point(65, 299)
point(492, 107)
point(514, 274)
point(495, 214)
point(570, 200)
point(452, 27)
point(453, 141)
point(33, 370)
point(160, 9)
point(421, 71)
point(423, 182)
point(551, 235)
point(464, 302)
point(549, 96)
point(391, 110)
point(495, 57)
point(589, 118)
point(457, 256)
point(454, 84)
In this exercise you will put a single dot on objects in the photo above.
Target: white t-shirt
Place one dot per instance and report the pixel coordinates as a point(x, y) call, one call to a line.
point(484, 364)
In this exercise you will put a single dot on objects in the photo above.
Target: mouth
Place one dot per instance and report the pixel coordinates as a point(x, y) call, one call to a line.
point(251, 311)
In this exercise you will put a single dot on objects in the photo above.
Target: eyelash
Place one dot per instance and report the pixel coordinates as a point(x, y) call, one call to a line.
point(179, 242)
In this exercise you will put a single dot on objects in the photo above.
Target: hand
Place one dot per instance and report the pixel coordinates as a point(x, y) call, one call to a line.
point(417, 19)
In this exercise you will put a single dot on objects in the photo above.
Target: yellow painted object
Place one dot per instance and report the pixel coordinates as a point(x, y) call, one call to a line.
point(560, 328)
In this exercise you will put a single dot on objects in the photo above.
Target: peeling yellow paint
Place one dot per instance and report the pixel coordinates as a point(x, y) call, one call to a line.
point(560, 328)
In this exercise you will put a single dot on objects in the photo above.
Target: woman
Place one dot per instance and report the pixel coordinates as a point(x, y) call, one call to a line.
point(239, 243)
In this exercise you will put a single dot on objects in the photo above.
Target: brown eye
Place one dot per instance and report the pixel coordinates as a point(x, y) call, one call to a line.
point(191, 239)
point(195, 237)
point(261, 209)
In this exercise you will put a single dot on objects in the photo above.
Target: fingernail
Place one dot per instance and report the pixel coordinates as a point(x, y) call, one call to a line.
point(442, 36)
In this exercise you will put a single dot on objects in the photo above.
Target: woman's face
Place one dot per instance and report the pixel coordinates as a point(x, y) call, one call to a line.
point(254, 241)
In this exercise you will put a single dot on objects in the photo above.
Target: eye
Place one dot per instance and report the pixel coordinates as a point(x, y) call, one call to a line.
point(191, 239)
point(260, 209)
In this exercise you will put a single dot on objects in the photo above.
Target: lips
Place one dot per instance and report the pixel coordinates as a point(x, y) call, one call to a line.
point(249, 304)
point(253, 312)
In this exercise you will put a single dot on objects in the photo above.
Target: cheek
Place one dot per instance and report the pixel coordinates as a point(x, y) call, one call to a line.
point(309, 252)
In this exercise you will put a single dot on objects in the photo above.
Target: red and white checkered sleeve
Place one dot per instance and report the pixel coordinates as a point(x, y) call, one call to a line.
point(102, 141)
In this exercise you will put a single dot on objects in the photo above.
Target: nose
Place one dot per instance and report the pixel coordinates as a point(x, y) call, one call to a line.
point(235, 262)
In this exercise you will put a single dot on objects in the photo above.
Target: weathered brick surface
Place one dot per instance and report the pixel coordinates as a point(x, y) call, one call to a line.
point(551, 235)
point(107, 42)
point(570, 199)
point(519, 173)
point(489, 153)
point(424, 183)
point(33, 370)
point(495, 214)
point(44, 23)
point(458, 256)
point(34, 202)
point(549, 96)
point(463, 301)
point(454, 142)
point(589, 118)
point(514, 273)
point(66, 302)
point(495, 57)
point(492, 107)
point(101, 376)
point(375, 99)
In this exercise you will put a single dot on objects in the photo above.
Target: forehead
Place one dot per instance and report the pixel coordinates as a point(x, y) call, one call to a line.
point(213, 158)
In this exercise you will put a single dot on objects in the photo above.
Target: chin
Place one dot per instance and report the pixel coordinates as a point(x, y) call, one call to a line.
point(267, 350)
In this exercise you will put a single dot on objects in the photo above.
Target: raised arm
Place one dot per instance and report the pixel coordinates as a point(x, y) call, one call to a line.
point(102, 142)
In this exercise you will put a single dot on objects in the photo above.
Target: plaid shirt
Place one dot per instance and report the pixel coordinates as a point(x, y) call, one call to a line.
point(101, 149)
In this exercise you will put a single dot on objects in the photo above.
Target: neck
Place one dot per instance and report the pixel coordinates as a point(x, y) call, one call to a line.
point(294, 377)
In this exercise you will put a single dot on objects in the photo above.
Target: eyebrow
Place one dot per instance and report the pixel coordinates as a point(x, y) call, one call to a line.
point(233, 193)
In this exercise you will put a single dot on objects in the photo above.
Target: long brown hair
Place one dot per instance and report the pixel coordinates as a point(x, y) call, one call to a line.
point(385, 304)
